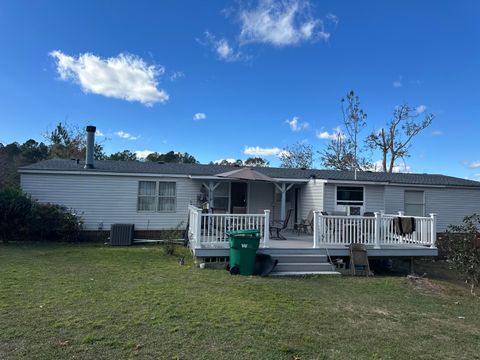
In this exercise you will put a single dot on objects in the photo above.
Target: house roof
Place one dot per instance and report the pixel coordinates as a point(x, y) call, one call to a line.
point(199, 170)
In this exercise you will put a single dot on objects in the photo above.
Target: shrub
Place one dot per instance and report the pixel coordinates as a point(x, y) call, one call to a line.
point(461, 245)
point(21, 218)
point(53, 223)
point(171, 238)
point(15, 206)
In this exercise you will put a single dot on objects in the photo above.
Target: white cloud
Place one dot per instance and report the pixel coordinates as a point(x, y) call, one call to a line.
point(421, 109)
point(199, 116)
point(125, 135)
point(325, 135)
point(281, 23)
point(142, 154)
point(259, 151)
point(437, 133)
point(99, 133)
point(125, 76)
point(397, 168)
point(333, 18)
point(473, 164)
point(296, 125)
point(398, 83)
point(222, 48)
point(176, 75)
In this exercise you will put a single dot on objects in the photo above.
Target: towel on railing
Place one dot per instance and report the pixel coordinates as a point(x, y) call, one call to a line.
point(404, 225)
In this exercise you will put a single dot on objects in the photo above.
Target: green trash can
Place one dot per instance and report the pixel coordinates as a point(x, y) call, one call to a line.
point(243, 249)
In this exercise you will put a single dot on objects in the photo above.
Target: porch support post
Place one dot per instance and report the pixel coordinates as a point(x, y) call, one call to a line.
point(283, 190)
point(211, 186)
point(198, 230)
point(433, 241)
point(315, 229)
point(266, 229)
point(378, 229)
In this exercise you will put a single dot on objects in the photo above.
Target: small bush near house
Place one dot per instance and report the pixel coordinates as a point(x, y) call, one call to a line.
point(14, 208)
point(172, 239)
point(53, 223)
point(461, 244)
point(22, 218)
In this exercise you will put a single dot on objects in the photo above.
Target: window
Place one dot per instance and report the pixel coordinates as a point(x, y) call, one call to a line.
point(166, 196)
point(156, 196)
point(221, 196)
point(414, 203)
point(146, 195)
point(349, 195)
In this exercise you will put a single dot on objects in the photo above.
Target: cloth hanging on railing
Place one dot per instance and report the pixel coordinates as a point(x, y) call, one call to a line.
point(404, 225)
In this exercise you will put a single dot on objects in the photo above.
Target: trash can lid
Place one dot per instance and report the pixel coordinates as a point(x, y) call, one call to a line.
point(243, 232)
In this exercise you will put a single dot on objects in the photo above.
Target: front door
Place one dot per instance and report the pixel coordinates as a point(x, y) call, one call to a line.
point(238, 196)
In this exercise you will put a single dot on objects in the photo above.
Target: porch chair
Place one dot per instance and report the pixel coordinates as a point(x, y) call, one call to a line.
point(306, 225)
point(278, 226)
point(359, 258)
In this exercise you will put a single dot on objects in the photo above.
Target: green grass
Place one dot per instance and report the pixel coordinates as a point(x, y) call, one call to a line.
point(100, 302)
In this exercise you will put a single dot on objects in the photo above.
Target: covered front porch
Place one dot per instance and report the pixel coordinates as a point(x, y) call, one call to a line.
point(331, 234)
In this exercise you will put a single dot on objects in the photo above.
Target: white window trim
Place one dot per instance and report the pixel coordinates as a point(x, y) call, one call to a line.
point(363, 205)
point(423, 199)
point(157, 197)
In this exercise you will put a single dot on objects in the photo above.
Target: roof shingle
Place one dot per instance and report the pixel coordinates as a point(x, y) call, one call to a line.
point(286, 173)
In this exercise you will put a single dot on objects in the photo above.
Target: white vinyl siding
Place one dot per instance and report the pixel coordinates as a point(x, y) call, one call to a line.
point(414, 203)
point(311, 197)
point(104, 200)
point(450, 204)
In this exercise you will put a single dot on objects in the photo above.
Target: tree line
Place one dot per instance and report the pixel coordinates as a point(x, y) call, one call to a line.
point(350, 148)
point(68, 141)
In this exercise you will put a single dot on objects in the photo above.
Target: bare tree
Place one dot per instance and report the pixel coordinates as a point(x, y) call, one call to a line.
point(299, 155)
point(394, 142)
point(338, 154)
point(354, 120)
point(344, 152)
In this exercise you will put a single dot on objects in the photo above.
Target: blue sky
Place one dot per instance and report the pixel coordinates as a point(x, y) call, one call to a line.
point(248, 67)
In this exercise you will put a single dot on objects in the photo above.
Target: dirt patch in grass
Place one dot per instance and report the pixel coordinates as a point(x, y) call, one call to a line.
point(428, 286)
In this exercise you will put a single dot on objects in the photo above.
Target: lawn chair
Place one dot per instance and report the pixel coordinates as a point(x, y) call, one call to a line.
point(359, 258)
point(278, 226)
point(306, 225)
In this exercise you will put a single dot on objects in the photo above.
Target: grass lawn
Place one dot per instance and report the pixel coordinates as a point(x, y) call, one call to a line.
point(98, 302)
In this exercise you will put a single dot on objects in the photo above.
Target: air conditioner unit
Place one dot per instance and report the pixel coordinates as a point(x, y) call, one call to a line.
point(354, 210)
point(121, 234)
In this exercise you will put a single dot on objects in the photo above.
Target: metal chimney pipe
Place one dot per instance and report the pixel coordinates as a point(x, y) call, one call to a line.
point(90, 146)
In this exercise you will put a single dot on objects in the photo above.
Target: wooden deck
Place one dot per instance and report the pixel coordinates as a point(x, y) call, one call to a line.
point(332, 235)
point(303, 244)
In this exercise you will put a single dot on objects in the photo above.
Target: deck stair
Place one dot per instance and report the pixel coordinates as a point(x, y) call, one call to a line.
point(300, 262)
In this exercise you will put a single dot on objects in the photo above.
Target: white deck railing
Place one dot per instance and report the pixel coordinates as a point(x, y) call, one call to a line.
point(211, 229)
point(377, 231)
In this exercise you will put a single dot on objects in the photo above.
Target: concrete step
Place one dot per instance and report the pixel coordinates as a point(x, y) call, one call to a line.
point(303, 267)
point(299, 258)
point(303, 273)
